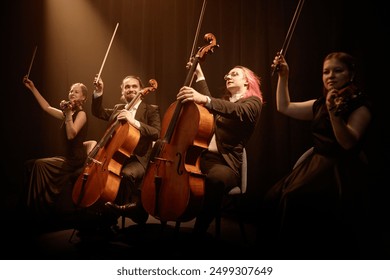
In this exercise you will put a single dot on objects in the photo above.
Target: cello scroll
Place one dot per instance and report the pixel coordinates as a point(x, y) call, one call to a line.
point(212, 45)
point(201, 56)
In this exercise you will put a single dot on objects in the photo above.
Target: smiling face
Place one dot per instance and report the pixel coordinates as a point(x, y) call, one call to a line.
point(130, 87)
point(77, 94)
point(335, 74)
point(236, 80)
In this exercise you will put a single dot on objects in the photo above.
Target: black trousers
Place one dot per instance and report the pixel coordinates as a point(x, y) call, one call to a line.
point(220, 179)
point(129, 188)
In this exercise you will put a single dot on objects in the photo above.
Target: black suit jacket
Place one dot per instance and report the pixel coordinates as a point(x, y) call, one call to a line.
point(234, 124)
point(148, 116)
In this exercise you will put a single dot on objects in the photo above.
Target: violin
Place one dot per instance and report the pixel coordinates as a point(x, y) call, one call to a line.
point(345, 98)
point(66, 105)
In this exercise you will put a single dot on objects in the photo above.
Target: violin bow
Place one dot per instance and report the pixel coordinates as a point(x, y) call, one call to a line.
point(108, 50)
point(196, 37)
point(32, 61)
point(290, 31)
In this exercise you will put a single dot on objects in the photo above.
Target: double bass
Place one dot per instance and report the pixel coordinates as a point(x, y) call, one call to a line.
point(101, 176)
point(173, 185)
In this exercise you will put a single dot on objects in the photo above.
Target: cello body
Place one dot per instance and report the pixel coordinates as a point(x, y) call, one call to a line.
point(101, 177)
point(173, 180)
point(173, 185)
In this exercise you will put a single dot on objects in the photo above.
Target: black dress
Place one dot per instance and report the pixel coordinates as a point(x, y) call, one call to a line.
point(47, 177)
point(316, 209)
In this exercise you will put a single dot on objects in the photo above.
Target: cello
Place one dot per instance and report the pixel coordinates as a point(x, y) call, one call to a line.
point(173, 185)
point(101, 176)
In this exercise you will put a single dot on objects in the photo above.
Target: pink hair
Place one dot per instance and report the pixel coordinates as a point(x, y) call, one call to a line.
point(254, 83)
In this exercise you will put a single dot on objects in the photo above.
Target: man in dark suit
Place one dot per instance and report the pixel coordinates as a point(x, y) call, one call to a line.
point(146, 119)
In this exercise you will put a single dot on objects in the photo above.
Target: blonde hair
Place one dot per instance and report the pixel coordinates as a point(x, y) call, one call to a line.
point(84, 89)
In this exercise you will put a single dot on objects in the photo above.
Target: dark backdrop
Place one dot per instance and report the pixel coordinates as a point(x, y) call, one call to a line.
point(154, 40)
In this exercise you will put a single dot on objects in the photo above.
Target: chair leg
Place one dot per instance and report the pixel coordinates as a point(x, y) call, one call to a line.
point(240, 217)
point(71, 236)
point(163, 225)
point(242, 229)
point(123, 221)
point(177, 226)
point(218, 225)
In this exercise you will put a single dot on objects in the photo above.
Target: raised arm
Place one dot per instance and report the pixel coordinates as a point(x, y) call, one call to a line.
point(297, 110)
point(57, 113)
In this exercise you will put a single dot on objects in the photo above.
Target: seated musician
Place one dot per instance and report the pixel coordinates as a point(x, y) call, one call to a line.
point(144, 117)
point(236, 116)
point(47, 178)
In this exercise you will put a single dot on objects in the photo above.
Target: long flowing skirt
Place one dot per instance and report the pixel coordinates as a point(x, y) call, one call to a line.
point(46, 179)
point(316, 209)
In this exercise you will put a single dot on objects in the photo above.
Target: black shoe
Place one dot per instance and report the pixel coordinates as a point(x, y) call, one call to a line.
point(132, 210)
point(140, 216)
point(127, 210)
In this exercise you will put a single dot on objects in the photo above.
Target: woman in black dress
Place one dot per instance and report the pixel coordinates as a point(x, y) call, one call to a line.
point(316, 209)
point(47, 177)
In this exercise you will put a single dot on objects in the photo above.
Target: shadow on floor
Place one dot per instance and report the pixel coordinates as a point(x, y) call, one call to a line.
point(58, 240)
